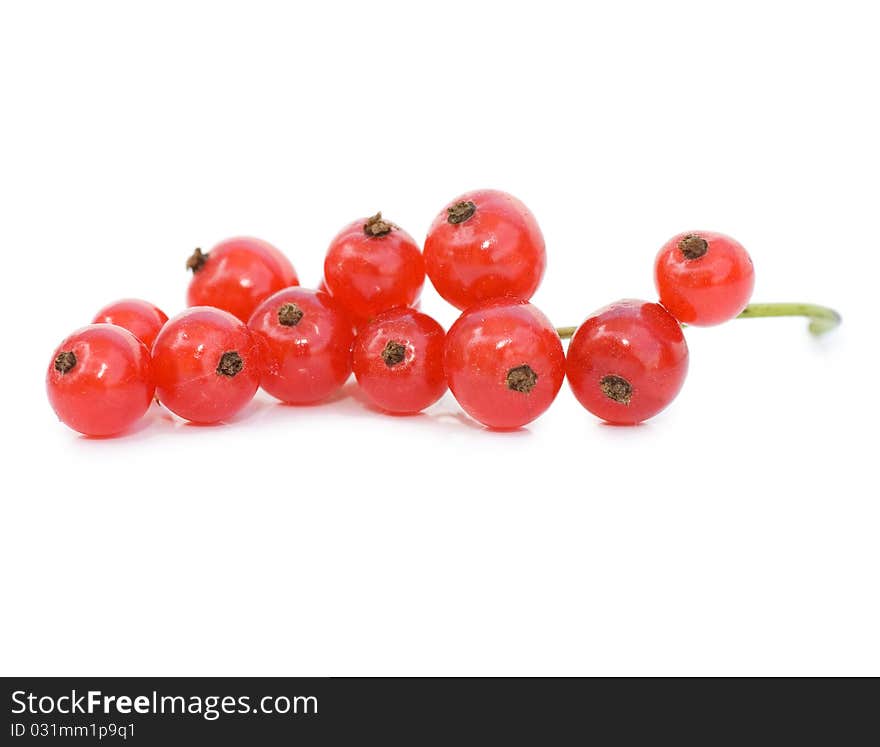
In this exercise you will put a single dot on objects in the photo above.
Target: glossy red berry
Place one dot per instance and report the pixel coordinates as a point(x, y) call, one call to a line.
point(627, 361)
point(139, 317)
point(398, 361)
point(485, 244)
point(504, 362)
point(206, 364)
point(305, 345)
point(100, 380)
point(373, 265)
point(703, 277)
point(237, 275)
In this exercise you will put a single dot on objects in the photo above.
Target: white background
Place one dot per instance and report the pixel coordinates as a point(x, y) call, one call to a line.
point(737, 533)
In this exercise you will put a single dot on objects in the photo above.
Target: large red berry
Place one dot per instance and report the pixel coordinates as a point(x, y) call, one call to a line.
point(373, 265)
point(139, 317)
point(237, 275)
point(627, 361)
point(100, 380)
point(485, 244)
point(305, 345)
point(398, 361)
point(504, 362)
point(703, 277)
point(206, 364)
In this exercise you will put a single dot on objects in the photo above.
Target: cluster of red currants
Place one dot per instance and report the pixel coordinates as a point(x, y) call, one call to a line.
point(250, 325)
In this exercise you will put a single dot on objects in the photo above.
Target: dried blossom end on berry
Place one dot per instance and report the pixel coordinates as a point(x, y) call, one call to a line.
point(693, 246)
point(197, 260)
point(65, 361)
point(521, 379)
point(460, 212)
point(230, 364)
point(289, 315)
point(393, 354)
point(375, 226)
point(616, 388)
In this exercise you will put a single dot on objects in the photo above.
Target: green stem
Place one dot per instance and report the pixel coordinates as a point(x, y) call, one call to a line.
point(822, 319)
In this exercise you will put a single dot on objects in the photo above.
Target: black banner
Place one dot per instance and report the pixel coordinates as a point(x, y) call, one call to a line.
point(412, 711)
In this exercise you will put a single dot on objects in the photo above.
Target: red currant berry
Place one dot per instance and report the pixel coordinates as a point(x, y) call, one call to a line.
point(372, 266)
point(627, 361)
point(237, 275)
point(305, 345)
point(207, 365)
point(504, 362)
point(704, 278)
point(398, 361)
point(140, 318)
point(100, 380)
point(485, 244)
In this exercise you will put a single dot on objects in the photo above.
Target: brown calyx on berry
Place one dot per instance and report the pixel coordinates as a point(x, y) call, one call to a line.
point(693, 246)
point(375, 226)
point(65, 361)
point(289, 315)
point(521, 379)
point(616, 388)
point(230, 364)
point(393, 353)
point(197, 260)
point(460, 212)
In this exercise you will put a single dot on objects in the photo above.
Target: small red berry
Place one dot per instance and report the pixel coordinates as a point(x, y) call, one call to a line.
point(305, 345)
point(206, 364)
point(139, 317)
point(485, 244)
point(237, 275)
point(504, 362)
point(398, 361)
point(373, 265)
point(627, 361)
point(704, 278)
point(100, 380)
